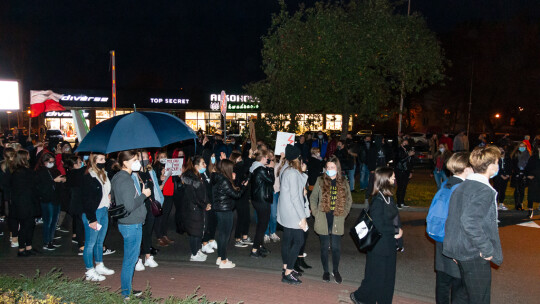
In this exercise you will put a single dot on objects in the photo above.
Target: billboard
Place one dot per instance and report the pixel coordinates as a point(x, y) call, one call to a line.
point(10, 98)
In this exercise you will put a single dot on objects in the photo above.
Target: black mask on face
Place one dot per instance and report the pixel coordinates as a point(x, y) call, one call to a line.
point(144, 162)
point(100, 166)
point(407, 147)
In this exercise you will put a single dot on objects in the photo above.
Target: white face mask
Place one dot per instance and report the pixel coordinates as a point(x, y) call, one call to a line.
point(136, 166)
point(163, 160)
point(49, 165)
point(441, 149)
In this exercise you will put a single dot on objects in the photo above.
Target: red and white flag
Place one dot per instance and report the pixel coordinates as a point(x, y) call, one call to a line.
point(223, 103)
point(44, 101)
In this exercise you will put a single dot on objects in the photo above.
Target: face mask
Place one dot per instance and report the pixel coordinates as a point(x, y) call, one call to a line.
point(163, 161)
point(202, 170)
point(136, 166)
point(331, 172)
point(145, 162)
point(49, 165)
point(495, 174)
point(441, 149)
point(86, 157)
point(83, 164)
point(522, 149)
point(66, 150)
point(407, 147)
point(213, 160)
point(320, 136)
point(100, 166)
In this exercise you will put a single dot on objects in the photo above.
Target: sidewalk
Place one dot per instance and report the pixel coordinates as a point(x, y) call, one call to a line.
point(183, 278)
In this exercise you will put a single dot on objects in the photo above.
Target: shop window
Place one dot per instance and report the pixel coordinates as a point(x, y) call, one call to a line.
point(201, 115)
point(191, 115)
point(215, 115)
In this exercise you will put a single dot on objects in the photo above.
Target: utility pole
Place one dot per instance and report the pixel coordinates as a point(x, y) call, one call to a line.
point(470, 99)
point(402, 86)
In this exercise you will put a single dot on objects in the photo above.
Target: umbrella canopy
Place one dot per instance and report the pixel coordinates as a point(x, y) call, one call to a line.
point(134, 131)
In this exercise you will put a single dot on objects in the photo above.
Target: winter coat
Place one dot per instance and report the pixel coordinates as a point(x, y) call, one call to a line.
point(345, 159)
point(194, 204)
point(74, 182)
point(223, 193)
point(293, 206)
point(343, 203)
point(24, 199)
point(314, 169)
point(47, 188)
point(533, 169)
point(92, 194)
point(262, 182)
point(383, 216)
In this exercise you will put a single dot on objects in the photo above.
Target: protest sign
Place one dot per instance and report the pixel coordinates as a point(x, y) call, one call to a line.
point(173, 166)
point(283, 139)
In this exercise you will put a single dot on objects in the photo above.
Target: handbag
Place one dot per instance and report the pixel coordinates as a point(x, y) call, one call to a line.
point(365, 235)
point(155, 206)
point(116, 212)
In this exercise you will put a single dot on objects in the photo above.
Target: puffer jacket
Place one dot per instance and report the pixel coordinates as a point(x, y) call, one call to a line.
point(223, 193)
point(262, 184)
point(194, 205)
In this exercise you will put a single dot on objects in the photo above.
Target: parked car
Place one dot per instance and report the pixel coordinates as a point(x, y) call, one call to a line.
point(364, 132)
point(418, 137)
point(53, 133)
point(422, 157)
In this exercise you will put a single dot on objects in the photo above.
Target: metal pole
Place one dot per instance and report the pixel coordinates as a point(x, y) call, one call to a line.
point(409, 9)
point(402, 86)
point(470, 99)
point(113, 71)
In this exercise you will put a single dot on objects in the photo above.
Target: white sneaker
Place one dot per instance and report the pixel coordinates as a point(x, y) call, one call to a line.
point(214, 244)
point(502, 207)
point(274, 237)
point(14, 244)
point(139, 266)
point(207, 248)
point(101, 269)
point(218, 261)
point(92, 275)
point(149, 262)
point(266, 239)
point(227, 265)
point(199, 257)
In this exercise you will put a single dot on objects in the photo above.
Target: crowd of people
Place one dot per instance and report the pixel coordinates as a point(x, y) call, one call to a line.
point(314, 178)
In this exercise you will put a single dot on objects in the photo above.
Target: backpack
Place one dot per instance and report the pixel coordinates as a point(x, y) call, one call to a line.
point(438, 212)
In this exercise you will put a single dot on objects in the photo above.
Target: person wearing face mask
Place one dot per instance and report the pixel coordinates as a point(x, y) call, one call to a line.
point(380, 272)
point(161, 222)
point(63, 192)
point(449, 285)
point(500, 182)
point(75, 172)
point(532, 171)
point(95, 193)
point(209, 244)
point(48, 178)
point(196, 205)
point(321, 143)
point(331, 202)
point(145, 177)
point(471, 232)
point(446, 139)
point(439, 165)
point(403, 171)
point(241, 170)
point(126, 194)
point(520, 156)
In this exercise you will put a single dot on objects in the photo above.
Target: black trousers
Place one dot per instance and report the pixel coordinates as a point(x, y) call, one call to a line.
point(263, 217)
point(292, 241)
point(476, 276)
point(194, 244)
point(402, 181)
point(519, 191)
point(334, 242)
point(13, 225)
point(500, 186)
point(379, 279)
point(26, 231)
point(162, 222)
point(449, 289)
point(147, 229)
point(78, 229)
point(242, 217)
point(224, 229)
point(211, 222)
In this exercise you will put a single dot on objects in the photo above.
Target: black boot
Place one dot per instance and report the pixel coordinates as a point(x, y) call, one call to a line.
point(297, 267)
point(302, 263)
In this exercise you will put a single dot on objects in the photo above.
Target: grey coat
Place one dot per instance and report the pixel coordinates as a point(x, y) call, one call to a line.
point(471, 228)
point(125, 194)
point(293, 204)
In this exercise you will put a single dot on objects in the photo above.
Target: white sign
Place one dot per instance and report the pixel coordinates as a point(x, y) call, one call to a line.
point(282, 140)
point(9, 95)
point(361, 230)
point(173, 166)
point(170, 100)
point(84, 98)
point(63, 114)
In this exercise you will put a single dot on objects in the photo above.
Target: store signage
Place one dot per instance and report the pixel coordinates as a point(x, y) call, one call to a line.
point(66, 114)
point(84, 98)
point(235, 102)
point(183, 101)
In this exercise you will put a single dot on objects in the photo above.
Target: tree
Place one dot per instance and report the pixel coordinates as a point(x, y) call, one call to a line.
point(345, 58)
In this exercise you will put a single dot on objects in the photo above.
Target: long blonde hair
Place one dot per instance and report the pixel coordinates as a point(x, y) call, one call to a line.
point(92, 164)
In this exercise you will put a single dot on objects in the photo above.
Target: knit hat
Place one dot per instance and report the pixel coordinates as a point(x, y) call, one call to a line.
point(291, 152)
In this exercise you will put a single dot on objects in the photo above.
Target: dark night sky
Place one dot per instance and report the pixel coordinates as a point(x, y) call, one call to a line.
point(212, 45)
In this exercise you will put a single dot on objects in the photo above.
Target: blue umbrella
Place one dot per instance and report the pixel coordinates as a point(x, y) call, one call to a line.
point(134, 131)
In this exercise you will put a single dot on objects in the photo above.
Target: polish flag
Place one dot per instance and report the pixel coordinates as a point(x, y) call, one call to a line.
point(44, 101)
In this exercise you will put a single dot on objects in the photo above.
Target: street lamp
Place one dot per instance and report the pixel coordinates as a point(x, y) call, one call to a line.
point(497, 115)
point(8, 122)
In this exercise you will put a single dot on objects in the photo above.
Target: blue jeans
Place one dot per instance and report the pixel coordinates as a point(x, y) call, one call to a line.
point(272, 224)
point(49, 213)
point(350, 176)
point(364, 177)
point(132, 235)
point(93, 239)
point(440, 177)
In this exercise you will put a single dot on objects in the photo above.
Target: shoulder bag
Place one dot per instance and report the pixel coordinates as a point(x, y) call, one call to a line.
point(364, 233)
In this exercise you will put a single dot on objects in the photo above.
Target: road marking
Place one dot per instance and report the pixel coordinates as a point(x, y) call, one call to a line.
point(529, 224)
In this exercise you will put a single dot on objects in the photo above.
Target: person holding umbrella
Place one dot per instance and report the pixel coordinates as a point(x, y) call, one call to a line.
point(130, 226)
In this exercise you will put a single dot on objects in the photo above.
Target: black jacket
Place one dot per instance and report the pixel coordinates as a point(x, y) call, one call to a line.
point(533, 169)
point(92, 193)
point(471, 227)
point(377, 156)
point(223, 193)
point(383, 216)
point(194, 204)
point(47, 189)
point(262, 185)
point(24, 200)
point(345, 159)
point(403, 160)
point(74, 182)
point(315, 168)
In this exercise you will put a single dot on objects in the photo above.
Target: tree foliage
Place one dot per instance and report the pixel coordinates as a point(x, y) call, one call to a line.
point(345, 58)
